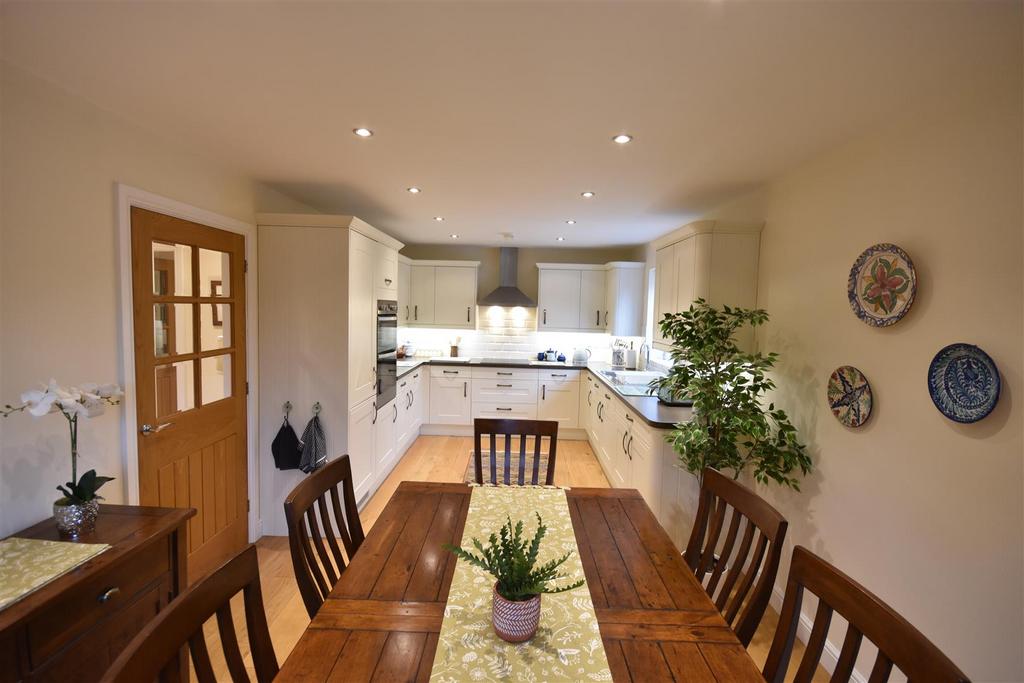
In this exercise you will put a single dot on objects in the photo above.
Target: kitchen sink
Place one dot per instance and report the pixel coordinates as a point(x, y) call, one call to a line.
point(631, 376)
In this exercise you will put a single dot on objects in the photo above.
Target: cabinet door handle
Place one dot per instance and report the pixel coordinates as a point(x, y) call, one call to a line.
point(412, 398)
point(508, 409)
point(624, 435)
point(629, 445)
point(504, 374)
point(416, 312)
point(629, 418)
point(450, 372)
point(589, 395)
point(543, 392)
point(106, 595)
point(465, 389)
point(406, 312)
point(402, 384)
point(545, 316)
point(374, 413)
point(600, 406)
point(608, 397)
point(606, 318)
point(598, 321)
point(387, 281)
point(467, 314)
point(504, 386)
point(395, 418)
point(555, 374)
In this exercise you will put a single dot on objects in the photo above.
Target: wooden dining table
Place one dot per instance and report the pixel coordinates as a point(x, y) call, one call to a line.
point(382, 620)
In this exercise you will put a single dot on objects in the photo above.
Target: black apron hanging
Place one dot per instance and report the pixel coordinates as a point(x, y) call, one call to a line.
point(285, 447)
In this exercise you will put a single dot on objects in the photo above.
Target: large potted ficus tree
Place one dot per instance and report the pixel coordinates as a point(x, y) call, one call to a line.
point(733, 425)
point(512, 561)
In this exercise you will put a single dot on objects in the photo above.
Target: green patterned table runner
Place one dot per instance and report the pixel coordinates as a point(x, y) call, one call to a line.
point(568, 644)
point(27, 564)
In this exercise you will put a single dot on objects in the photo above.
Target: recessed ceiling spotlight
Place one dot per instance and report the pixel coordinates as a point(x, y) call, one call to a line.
point(413, 190)
point(622, 138)
point(454, 236)
point(559, 239)
point(363, 132)
point(587, 195)
point(438, 218)
point(570, 222)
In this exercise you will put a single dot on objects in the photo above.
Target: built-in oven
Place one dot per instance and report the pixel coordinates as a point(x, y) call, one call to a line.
point(387, 347)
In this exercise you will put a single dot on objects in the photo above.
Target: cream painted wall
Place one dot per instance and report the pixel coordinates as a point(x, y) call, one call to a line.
point(925, 512)
point(529, 257)
point(59, 160)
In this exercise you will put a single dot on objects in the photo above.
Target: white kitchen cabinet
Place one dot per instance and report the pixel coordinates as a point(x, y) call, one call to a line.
point(450, 399)
point(422, 296)
point(420, 400)
point(624, 299)
point(385, 444)
point(362, 319)
point(455, 296)
point(558, 299)
point(505, 411)
point(385, 272)
point(505, 391)
point(360, 447)
point(593, 312)
point(645, 464)
point(560, 397)
point(616, 432)
point(404, 291)
point(711, 260)
point(404, 434)
point(586, 392)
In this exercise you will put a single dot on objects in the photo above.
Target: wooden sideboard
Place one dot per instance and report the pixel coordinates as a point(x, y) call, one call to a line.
point(74, 627)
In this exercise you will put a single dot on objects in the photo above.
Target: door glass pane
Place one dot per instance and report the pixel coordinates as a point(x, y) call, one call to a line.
point(175, 388)
point(214, 273)
point(172, 329)
point(172, 269)
point(216, 373)
point(214, 326)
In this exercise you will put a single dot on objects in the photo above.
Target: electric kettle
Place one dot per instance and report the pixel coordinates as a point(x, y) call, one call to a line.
point(580, 356)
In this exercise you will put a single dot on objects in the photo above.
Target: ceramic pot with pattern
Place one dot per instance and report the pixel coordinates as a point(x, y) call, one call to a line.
point(514, 621)
point(75, 521)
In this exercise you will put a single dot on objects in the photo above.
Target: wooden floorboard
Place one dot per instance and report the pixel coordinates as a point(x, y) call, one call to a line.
point(430, 458)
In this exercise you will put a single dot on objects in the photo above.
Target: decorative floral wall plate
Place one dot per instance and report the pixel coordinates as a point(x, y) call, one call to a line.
point(882, 285)
point(849, 396)
point(963, 382)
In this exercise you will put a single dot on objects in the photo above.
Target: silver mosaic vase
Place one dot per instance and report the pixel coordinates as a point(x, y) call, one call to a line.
point(75, 521)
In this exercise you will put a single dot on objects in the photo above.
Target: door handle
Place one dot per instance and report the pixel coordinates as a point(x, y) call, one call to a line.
point(629, 445)
point(600, 408)
point(395, 418)
point(467, 314)
point(106, 595)
point(416, 312)
point(545, 316)
point(387, 281)
point(598, 321)
point(589, 395)
point(504, 374)
point(555, 374)
point(508, 409)
point(504, 386)
point(374, 413)
point(148, 429)
point(465, 389)
point(624, 435)
point(407, 312)
point(629, 418)
point(606, 318)
point(543, 392)
point(450, 372)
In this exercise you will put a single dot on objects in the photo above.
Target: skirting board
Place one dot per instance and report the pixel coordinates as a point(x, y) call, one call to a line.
point(569, 434)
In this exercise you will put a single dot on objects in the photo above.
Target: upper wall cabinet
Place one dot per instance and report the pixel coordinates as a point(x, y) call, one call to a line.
point(385, 272)
point(576, 297)
point(404, 291)
point(707, 260)
point(441, 294)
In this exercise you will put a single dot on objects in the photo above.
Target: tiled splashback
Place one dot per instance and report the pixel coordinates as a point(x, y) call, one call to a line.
point(507, 333)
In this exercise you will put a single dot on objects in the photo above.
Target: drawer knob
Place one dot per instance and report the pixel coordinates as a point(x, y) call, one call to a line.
point(106, 595)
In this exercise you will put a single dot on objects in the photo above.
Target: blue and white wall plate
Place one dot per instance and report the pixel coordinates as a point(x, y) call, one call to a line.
point(963, 382)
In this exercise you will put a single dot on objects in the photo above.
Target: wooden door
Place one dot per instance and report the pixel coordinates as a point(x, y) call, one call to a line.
point(593, 311)
point(422, 297)
point(559, 299)
point(188, 289)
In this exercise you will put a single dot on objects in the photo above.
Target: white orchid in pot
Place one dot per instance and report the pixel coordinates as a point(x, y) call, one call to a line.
point(75, 513)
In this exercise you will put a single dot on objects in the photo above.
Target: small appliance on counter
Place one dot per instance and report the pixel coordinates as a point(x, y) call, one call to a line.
point(551, 355)
point(580, 356)
point(618, 356)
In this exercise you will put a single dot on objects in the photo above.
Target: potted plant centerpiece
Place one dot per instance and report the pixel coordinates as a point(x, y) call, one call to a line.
point(732, 427)
point(75, 512)
point(512, 561)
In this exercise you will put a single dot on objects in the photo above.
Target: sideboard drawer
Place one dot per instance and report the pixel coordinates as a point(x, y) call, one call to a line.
point(68, 617)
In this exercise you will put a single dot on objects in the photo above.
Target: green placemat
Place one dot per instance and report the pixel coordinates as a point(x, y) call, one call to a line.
point(568, 644)
point(27, 564)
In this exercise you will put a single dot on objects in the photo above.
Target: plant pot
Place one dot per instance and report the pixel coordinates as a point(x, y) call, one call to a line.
point(514, 620)
point(74, 521)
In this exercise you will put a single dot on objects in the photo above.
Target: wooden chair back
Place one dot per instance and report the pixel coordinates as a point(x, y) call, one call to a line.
point(736, 543)
point(898, 642)
point(319, 512)
point(155, 653)
point(523, 429)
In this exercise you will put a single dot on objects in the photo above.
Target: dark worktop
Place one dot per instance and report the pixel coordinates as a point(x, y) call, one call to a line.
point(649, 408)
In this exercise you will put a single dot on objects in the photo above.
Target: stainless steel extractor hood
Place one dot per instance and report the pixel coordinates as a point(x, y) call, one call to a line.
point(507, 294)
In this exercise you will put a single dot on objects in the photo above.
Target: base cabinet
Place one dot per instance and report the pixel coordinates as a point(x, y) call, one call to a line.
point(559, 398)
point(450, 399)
point(385, 443)
point(360, 447)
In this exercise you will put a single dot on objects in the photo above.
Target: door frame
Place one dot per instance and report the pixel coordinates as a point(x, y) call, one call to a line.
point(127, 197)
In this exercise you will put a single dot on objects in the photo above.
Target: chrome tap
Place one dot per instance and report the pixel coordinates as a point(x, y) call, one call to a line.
point(643, 358)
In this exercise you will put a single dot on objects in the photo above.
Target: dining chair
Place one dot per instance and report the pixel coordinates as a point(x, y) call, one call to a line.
point(899, 643)
point(311, 521)
point(523, 429)
point(155, 652)
point(741, 567)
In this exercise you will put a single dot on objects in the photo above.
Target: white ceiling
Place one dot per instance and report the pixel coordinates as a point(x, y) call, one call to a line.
point(503, 112)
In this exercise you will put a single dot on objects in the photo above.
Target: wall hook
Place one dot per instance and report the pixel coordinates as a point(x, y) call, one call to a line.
point(316, 408)
point(287, 408)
